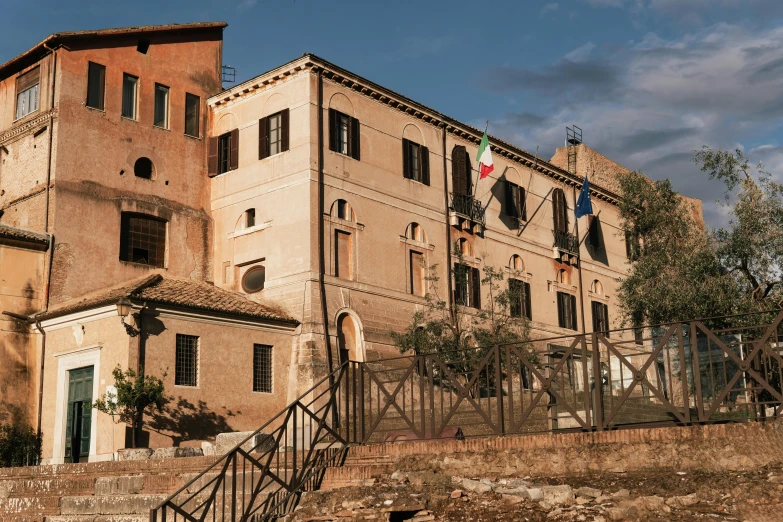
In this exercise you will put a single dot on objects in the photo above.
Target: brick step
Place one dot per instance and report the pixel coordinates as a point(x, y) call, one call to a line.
point(44, 487)
point(98, 518)
point(110, 504)
point(29, 506)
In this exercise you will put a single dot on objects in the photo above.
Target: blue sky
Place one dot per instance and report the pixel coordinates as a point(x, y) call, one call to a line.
point(647, 80)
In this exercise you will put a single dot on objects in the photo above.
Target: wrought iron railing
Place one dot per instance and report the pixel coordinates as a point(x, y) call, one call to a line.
point(567, 242)
point(468, 206)
point(694, 372)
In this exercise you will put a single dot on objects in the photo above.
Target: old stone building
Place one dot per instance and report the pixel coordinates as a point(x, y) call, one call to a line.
point(248, 239)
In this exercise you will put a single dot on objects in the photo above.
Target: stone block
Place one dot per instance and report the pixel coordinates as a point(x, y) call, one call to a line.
point(476, 486)
point(208, 449)
point(109, 504)
point(588, 492)
point(125, 485)
point(178, 452)
point(557, 494)
point(259, 443)
point(135, 453)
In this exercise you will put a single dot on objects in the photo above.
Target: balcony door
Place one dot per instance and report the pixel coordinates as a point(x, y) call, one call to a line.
point(461, 172)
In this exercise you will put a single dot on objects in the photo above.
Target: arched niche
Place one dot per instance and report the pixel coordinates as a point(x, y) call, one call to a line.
point(340, 102)
point(412, 133)
point(350, 344)
point(227, 122)
point(275, 103)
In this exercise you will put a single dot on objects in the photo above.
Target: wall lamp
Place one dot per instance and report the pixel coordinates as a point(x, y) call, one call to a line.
point(124, 308)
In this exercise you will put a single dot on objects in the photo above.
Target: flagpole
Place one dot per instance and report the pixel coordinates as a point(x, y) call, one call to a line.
point(579, 263)
point(475, 185)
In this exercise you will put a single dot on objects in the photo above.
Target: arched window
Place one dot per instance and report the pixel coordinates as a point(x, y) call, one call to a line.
point(254, 279)
point(560, 211)
point(461, 178)
point(349, 339)
point(516, 263)
point(597, 288)
point(143, 168)
point(416, 233)
point(464, 247)
point(563, 277)
point(342, 210)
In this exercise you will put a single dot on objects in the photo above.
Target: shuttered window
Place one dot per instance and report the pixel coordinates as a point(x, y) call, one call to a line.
point(223, 153)
point(461, 178)
point(559, 211)
point(515, 201)
point(519, 298)
point(344, 134)
point(96, 84)
point(566, 311)
point(417, 286)
point(161, 116)
point(27, 92)
point(343, 255)
point(467, 286)
point(600, 317)
point(192, 114)
point(273, 134)
point(415, 162)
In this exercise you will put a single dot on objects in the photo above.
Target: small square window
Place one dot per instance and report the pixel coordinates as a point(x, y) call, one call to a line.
point(130, 86)
point(186, 362)
point(262, 368)
point(161, 118)
point(192, 114)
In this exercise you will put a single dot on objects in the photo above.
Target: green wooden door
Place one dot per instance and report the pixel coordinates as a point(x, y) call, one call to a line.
point(79, 419)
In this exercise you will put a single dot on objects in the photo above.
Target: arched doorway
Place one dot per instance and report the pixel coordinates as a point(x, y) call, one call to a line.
point(349, 339)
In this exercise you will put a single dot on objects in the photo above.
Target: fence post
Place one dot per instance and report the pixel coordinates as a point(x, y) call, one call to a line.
point(499, 391)
point(422, 366)
point(360, 366)
point(234, 487)
point(598, 403)
point(697, 373)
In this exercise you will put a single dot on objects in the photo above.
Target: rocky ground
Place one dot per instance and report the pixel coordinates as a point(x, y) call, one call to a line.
point(597, 497)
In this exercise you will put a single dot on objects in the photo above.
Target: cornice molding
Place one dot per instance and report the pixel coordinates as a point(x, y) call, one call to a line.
point(26, 126)
point(346, 79)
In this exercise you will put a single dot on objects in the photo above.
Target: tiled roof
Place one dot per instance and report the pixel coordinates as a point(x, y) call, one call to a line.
point(23, 235)
point(183, 293)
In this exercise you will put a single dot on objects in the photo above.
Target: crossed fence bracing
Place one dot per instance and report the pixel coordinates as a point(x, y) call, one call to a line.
point(726, 369)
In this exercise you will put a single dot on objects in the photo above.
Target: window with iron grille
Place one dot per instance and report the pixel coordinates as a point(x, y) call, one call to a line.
point(186, 362)
point(262, 368)
point(143, 239)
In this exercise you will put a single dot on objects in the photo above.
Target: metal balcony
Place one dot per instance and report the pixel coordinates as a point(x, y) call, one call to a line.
point(566, 242)
point(469, 207)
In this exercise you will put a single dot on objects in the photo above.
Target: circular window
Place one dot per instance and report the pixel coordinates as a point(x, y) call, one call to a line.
point(143, 168)
point(254, 279)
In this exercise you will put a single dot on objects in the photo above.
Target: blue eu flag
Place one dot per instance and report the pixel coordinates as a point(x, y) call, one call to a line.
point(583, 205)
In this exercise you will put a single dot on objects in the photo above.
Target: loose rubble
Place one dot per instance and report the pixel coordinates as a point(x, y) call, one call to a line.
point(596, 497)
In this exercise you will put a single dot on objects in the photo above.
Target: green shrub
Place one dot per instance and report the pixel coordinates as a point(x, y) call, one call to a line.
point(19, 446)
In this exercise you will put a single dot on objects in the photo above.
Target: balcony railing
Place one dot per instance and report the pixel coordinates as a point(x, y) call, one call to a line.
point(468, 206)
point(567, 242)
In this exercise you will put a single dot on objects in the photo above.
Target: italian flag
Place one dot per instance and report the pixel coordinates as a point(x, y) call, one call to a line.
point(484, 157)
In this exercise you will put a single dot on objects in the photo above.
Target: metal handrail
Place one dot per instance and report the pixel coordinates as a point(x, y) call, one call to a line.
point(566, 241)
point(468, 206)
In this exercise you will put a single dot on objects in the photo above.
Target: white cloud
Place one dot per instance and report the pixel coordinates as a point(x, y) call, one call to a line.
point(550, 7)
point(580, 53)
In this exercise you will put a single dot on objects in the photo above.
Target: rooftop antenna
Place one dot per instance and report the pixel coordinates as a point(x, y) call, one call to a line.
point(229, 74)
point(573, 139)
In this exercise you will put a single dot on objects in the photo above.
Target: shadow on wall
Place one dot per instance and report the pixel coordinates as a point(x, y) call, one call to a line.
point(184, 420)
point(14, 375)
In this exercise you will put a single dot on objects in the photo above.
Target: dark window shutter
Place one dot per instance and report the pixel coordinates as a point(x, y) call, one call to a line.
point(333, 130)
point(561, 322)
point(28, 79)
point(522, 202)
point(596, 316)
point(458, 158)
point(606, 319)
point(355, 140)
point(476, 301)
point(284, 130)
point(594, 232)
point(263, 138)
point(573, 312)
point(234, 155)
point(406, 159)
point(212, 157)
point(560, 211)
point(425, 165)
point(528, 305)
point(511, 201)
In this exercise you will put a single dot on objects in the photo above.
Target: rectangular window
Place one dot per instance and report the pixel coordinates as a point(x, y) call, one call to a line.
point(161, 116)
point(519, 298)
point(594, 233)
point(250, 218)
point(27, 88)
point(343, 134)
point(224, 157)
point(600, 317)
point(566, 311)
point(415, 162)
point(515, 201)
point(417, 286)
point(96, 83)
point(186, 361)
point(467, 286)
point(275, 134)
point(143, 239)
point(129, 95)
point(262, 368)
point(343, 255)
point(192, 114)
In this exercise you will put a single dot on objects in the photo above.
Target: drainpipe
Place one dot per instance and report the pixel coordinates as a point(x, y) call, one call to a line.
point(321, 253)
point(51, 138)
point(41, 379)
point(448, 224)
